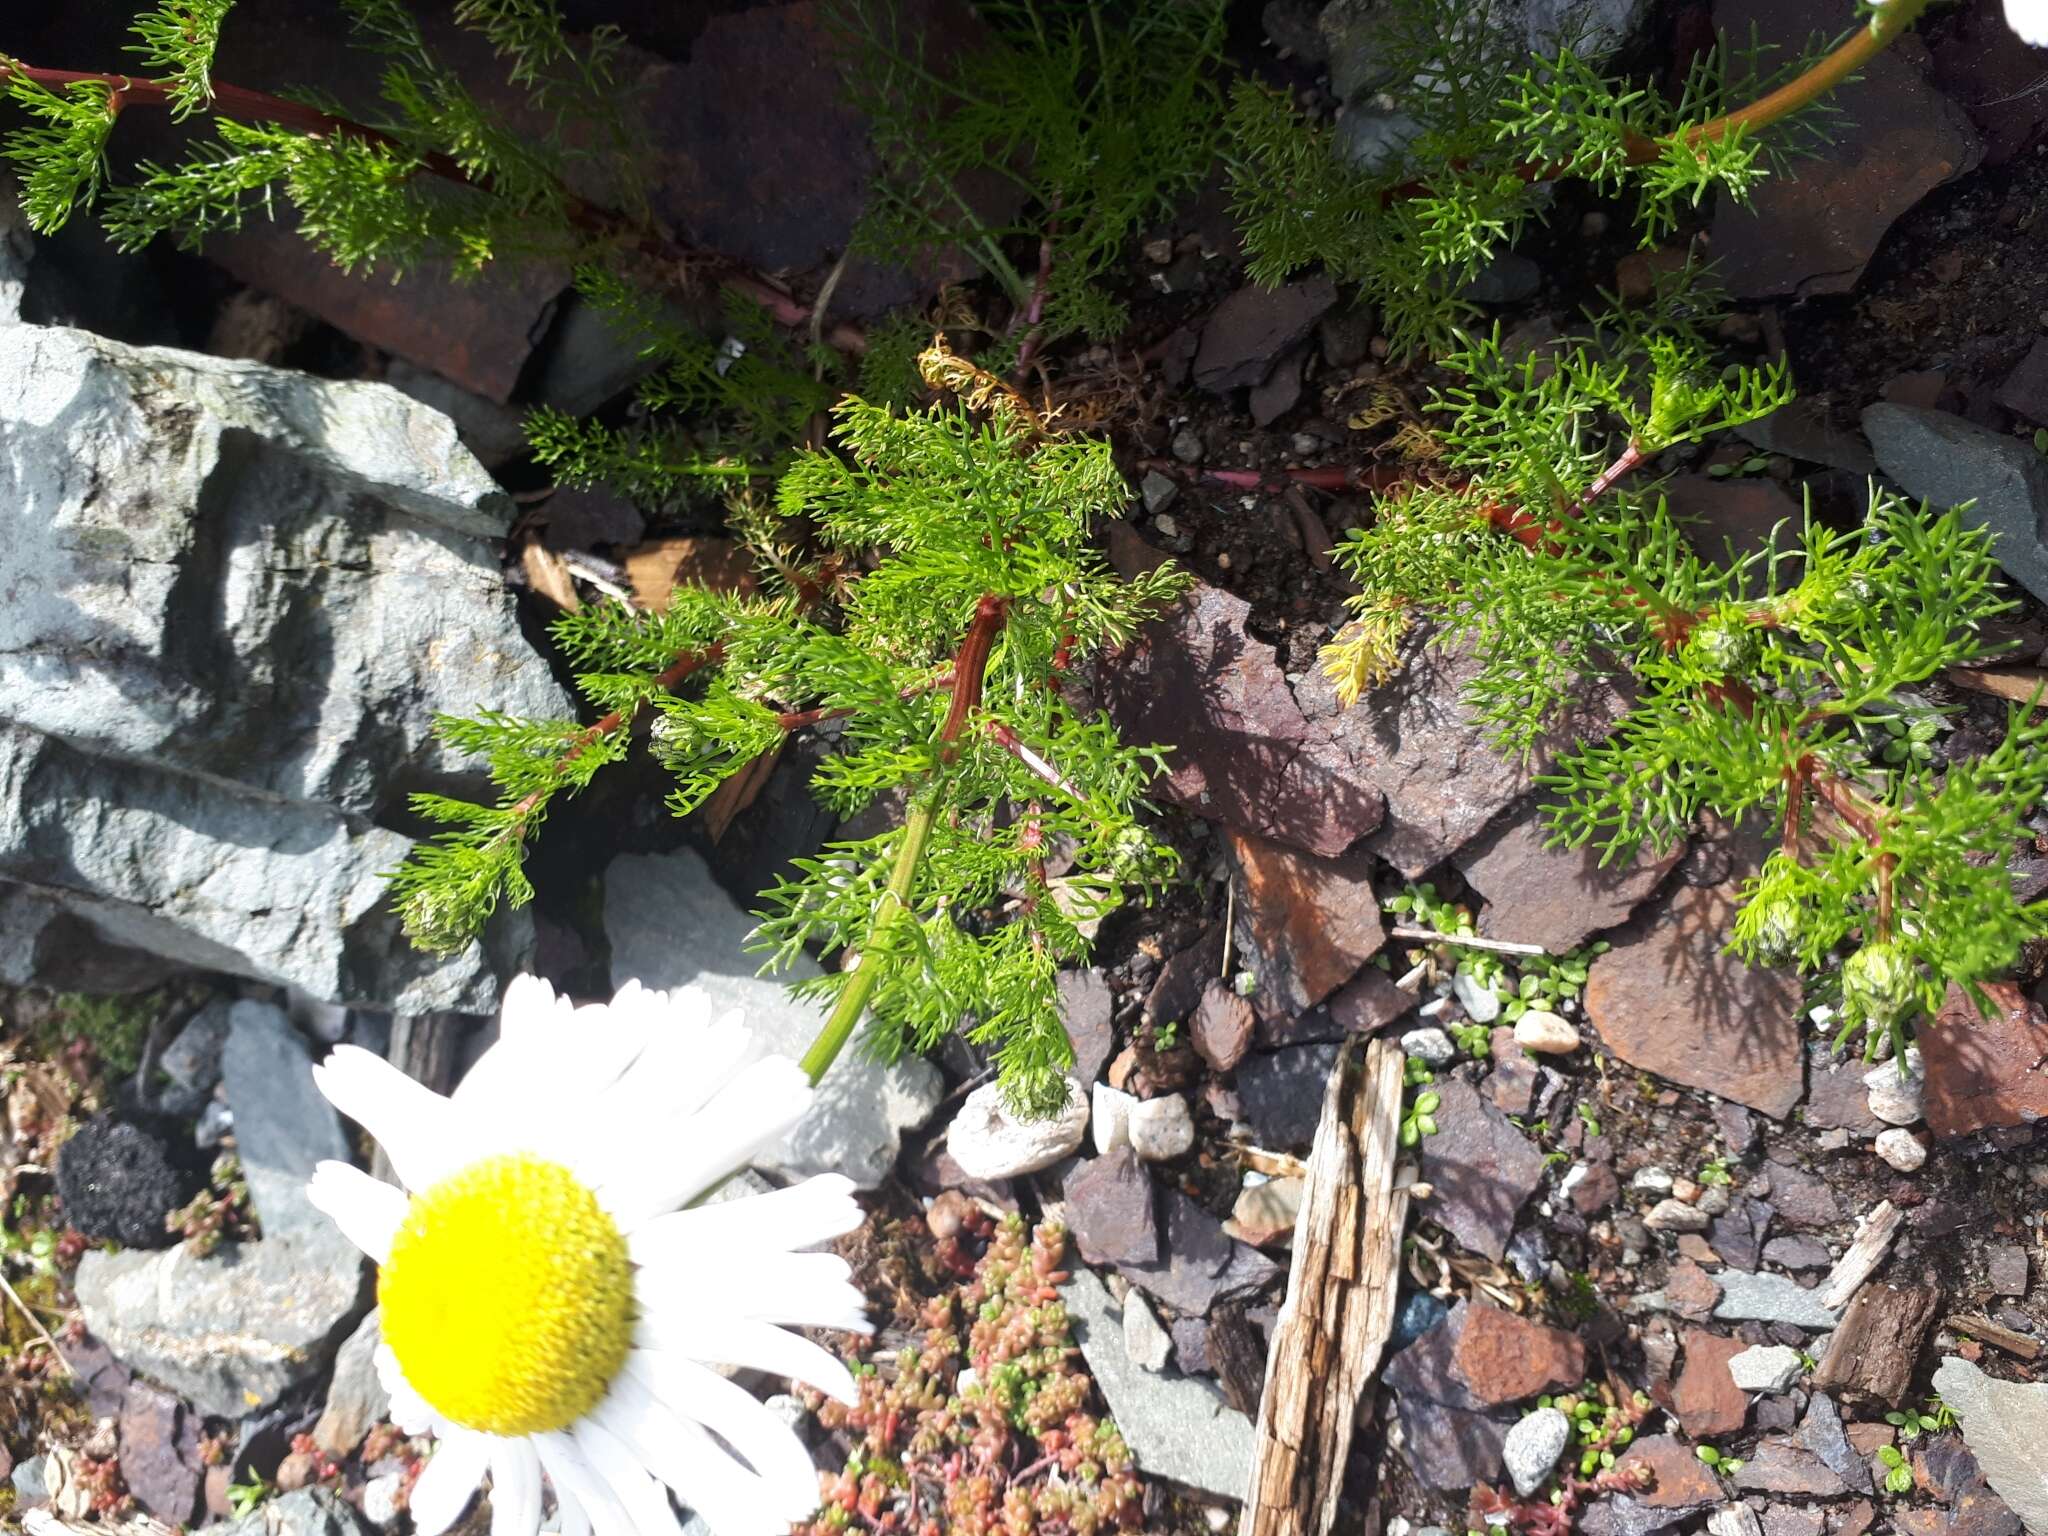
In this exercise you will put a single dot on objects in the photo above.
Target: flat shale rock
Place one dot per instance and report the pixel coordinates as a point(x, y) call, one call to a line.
point(1705, 1399)
point(1683, 1481)
point(1085, 1004)
point(2005, 1424)
point(1986, 1072)
point(1812, 230)
point(1779, 1466)
point(1243, 755)
point(1416, 740)
point(1200, 1264)
point(1248, 331)
point(1555, 897)
point(1947, 461)
point(1109, 1209)
point(1305, 923)
point(159, 1453)
point(1503, 1358)
point(1481, 1168)
point(1177, 1427)
point(1668, 999)
point(1280, 1092)
point(1451, 1441)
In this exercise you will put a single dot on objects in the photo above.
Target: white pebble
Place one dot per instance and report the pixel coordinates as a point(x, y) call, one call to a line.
point(1161, 1129)
point(1765, 1368)
point(1895, 1097)
point(1543, 1032)
point(988, 1142)
point(1675, 1216)
point(1901, 1148)
point(1112, 1118)
point(1533, 1446)
point(1653, 1181)
point(1430, 1045)
point(1482, 1006)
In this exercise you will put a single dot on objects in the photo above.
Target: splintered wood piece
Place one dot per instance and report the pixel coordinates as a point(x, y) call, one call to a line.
point(1978, 1326)
point(1874, 1234)
point(1873, 1352)
point(1339, 1311)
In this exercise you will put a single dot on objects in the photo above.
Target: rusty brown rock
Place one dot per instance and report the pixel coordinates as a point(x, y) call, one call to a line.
point(1813, 230)
point(1705, 1399)
point(1417, 740)
point(1682, 1481)
point(1555, 897)
point(1221, 1029)
point(1670, 1000)
point(1985, 1072)
point(1242, 753)
point(1503, 1358)
point(1369, 1003)
point(1691, 1291)
point(1304, 923)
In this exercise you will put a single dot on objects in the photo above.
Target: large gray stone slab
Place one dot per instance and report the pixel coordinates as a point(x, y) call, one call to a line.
point(247, 573)
point(1177, 1427)
point(220, 877)
point(670, 924)
point(2005, 1425)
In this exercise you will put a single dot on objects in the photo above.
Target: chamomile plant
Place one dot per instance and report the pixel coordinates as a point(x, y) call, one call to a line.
point(929, 591)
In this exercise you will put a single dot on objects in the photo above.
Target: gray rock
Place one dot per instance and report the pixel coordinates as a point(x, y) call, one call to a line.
point(1765, 1368)
point(31, 1481)
point(1947, 461)
point(218, 877)
point(1798, 1253)
point(1895, 1096)
point(1533, 1446)
point(356, 1398)
point(1481, 1167)
point(284, 1126)
point(1821, 1432)
point(1109, 1209)
point(306, 1512)
point(1507, 279)
point(1734, 1520)
point(1768, 1298)
point(1451, 1441)
point(989, 1142)
point(1281, 1092)
point(2005, 1425)
point(670, 925)
point(1430, 1045)
point(1158, 491)
point(1161, 1129)
point(1148, 1344)
point(231, 1332)
point(1177, 1427)
point(216, 1120)
point(236, 571)
point(192, 1059)
point(1200, 1264)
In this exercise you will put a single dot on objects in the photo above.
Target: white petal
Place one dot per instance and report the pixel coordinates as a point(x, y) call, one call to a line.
point(367, 1210)
point(729, 1411)
point(809, 1290)
point(749, 1115)
point(415, 1125)
point(756, 1346)
point(531, 1009)
point(515, 1488)
point(2029, 18)
point(569, 1517)
point(589, 1494)
point(732, 1500)
point(798, 1217)
point(639, 1491)
point(448, 1481)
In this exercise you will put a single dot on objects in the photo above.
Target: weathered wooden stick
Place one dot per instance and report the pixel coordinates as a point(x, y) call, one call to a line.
point(1874, 1234)
point(1339, 1311)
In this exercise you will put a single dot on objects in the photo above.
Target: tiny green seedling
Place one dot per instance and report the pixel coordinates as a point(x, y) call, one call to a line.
point(1898, 1475)
point(1420, 1121)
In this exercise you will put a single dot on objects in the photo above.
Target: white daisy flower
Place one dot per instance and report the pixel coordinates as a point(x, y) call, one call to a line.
point(553, 1306)
point(2029, 18)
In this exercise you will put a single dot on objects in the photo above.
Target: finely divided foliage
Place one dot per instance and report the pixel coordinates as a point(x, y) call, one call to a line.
point(945, 660)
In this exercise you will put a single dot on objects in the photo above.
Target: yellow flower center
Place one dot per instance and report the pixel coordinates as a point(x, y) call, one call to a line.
point(508, 1296)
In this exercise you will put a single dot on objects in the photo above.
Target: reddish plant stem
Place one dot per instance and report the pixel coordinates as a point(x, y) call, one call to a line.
point(1605, 481)
point(251, 106)
point(684, 664)
point(796, 720)
point(1034, 312)
point(970, 668)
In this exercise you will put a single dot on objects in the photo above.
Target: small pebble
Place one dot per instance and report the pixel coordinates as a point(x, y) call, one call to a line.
point(1901, 1148)
point(1686, 1190)
point(1481, 1004)
point(1166, 525)
point(1533, 1446)
point(1161, 1129)
point(1546, 1034)
point(380, 1499)
point(1112, 1115)
point(1430, 1045)
point(1895, 1097)
point(1676, 1216)
point(1187, 445)
point(1651, 1180)
point(1765, 1368)
point(1159, 252)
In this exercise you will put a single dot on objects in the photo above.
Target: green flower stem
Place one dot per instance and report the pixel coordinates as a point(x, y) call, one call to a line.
point(969, 668)
point(853, 997)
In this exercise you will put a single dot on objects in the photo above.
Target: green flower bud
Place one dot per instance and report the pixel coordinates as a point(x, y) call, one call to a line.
point(1776, 933)
point(1724, 647)
point(1879, 983)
